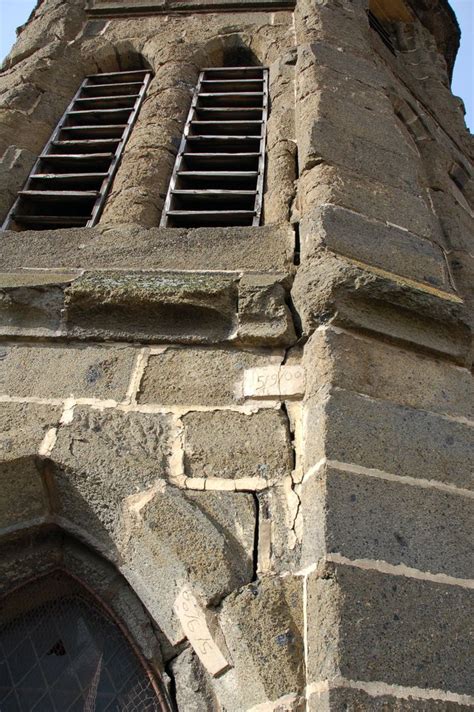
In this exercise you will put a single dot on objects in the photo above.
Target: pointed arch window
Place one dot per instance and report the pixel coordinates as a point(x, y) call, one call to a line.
point(61, 651)
point(69, 182)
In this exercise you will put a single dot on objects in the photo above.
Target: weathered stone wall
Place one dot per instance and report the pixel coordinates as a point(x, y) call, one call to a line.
point(272, 425)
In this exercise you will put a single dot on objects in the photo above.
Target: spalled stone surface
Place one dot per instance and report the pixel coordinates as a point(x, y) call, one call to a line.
point(263, 628)
point(103, 457)
point(264, 315)
point(388, 372)
point(160, 306)
point(32, 303)
point(356, 700)
point(402, 441)
point(363, 517)
point(390, 629)
point(81, 371)
point(205, 376)
point(235, 445)
point(197, 306)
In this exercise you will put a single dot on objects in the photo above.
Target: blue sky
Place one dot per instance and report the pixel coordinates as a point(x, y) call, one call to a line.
point(15, 12)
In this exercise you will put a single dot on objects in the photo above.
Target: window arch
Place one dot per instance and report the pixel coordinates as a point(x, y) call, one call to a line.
point(69, 182)
point(63, 651)
point(218, 176)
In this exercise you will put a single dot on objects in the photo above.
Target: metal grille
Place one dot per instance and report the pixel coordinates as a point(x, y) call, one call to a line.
point(69, 182)
point(219, 171)
point(60, 653)
point(379, 28)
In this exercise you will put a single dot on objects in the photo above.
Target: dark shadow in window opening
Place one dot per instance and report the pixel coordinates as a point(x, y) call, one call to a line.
point(62, 650)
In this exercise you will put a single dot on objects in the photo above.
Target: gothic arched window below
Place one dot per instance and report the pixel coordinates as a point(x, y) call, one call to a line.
point(61, 651)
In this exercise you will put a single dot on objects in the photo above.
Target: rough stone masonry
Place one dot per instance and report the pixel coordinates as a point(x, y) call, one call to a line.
point(269, 426)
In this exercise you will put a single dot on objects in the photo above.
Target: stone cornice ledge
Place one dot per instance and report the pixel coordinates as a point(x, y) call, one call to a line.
point(111, 8)
point(334, 289)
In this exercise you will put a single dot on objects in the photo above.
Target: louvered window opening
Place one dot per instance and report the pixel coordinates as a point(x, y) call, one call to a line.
point(219, 170)
point(69, 182)
point(60, 652)
point(383, 33)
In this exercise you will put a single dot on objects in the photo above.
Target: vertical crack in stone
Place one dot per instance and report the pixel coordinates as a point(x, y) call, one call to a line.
point(171, 686)
point(256, 536)
point(292, 486)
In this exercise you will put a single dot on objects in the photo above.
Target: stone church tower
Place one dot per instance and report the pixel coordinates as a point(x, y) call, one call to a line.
point(236, 313)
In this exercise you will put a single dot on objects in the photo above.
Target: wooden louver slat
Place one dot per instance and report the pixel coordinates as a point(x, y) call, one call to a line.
point(219, 170)
point(69, 182)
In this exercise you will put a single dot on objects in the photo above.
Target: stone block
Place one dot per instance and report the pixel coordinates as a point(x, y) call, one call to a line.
point(266, 248)
point(351, 428)
point(375, 200)
point(280, 178)
point(32, 303)
point(373, 243)
point(103, 457)
point(359, 122)
point(199, 307)
point(388, 372)
point(352, 295)
point(112, 589)
point(456, 220)
point(280, 382)
point(24, 501)
point(263, 627)
point(140, 7)
point(81, 372)
point(22, 430)
point(204, 539)
point(339, 25)
point(345, 699)
point(193, 689)
point(23, 427)
point(355, 66)
point(264, 316)
point(15, 165)
point(234, 445)
point(363, 517)
point(205, 376)
point(20, 561)
point(370, 626)
point(343, 87)
point(320, 141)
point(197, 623)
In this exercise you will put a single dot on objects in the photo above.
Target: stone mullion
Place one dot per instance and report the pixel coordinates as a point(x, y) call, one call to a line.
point(139, 189)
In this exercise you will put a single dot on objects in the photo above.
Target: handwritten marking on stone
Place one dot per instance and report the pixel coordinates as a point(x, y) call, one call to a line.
point(274, 382)
point(193, 620)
